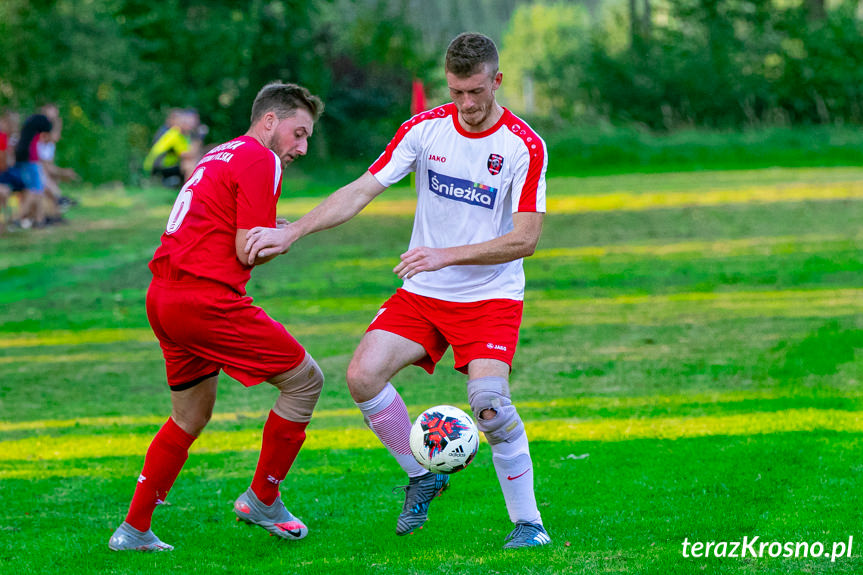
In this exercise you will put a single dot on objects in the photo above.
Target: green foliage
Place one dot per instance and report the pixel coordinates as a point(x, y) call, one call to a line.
point(703, 63)
point(544, 56)
point(117, 66)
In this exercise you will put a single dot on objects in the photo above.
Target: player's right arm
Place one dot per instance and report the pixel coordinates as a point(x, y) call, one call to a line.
point(336, 209)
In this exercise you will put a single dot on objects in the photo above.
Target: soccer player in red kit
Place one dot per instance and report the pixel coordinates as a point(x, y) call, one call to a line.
point(198, 308)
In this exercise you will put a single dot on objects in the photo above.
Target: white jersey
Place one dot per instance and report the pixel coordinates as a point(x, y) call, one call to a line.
point(468, 186)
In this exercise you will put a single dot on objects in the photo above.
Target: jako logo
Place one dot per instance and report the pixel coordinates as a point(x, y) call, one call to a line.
point(440, 159)
point(462, 190)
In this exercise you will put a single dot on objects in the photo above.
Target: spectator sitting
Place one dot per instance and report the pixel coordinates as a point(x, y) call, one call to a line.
point(52, 174)
point(176, 152)
point(31, 210)
point(9, 182)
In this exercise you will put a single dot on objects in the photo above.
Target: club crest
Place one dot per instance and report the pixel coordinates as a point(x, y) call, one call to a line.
point(495, 163)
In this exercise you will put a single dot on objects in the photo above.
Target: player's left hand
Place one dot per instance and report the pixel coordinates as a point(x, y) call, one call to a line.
point(266, 242)
point(420, 259)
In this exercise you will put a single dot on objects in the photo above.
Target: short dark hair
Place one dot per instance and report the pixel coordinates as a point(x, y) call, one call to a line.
point(468, 51)
point(285, 100)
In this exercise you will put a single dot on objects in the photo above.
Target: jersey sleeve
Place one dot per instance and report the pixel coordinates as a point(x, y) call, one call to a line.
point(258, 186)
point(400, 156)
point(528, 188)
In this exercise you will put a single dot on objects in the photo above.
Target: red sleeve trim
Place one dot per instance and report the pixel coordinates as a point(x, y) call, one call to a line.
point(436, 113)
point(536, 150)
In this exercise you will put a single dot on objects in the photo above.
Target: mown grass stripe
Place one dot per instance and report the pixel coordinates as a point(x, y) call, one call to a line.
point(689, 307)
point(726, 247)
point(557, 430)
point(631, 201)
point(588, 402)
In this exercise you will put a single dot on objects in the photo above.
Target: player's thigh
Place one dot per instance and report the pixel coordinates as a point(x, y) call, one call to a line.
point(379, 356)
point(267, 348)
point(486, 367)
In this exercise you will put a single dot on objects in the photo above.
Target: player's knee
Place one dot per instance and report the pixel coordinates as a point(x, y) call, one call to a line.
point(360, 379)
point(299, 390)
point(192, 421)
point(495, 414)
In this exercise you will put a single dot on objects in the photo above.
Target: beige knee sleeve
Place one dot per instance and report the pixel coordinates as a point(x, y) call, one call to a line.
point(299, 390)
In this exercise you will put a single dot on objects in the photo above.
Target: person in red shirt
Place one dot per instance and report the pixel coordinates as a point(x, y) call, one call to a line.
point(198, 308)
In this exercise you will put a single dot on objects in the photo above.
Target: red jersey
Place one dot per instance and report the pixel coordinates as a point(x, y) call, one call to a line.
point(235, 186)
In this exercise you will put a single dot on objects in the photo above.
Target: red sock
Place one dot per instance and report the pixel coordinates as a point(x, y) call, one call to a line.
point(165, 458)
point(281, 443)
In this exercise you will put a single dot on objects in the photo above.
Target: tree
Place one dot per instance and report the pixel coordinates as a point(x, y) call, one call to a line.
point(543, 56)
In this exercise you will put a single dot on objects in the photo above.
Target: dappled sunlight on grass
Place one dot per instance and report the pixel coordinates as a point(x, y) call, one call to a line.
point(125, 420)
point(381, 206)
point(632, 201)
point(592, 402)
point(77, 337)
point(638, 201)
point(124, 335)
point(761, 246)
point(692, 307)
point(566, 431)
point(83, 356)
point(742, 247)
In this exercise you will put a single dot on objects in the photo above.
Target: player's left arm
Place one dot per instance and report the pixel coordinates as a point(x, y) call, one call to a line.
point(519, 243)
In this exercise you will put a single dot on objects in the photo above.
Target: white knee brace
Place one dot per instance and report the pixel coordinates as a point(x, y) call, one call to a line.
point(493, 393)
point(299, 391)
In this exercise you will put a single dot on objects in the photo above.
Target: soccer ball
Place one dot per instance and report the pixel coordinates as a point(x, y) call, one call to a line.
point(444, 439)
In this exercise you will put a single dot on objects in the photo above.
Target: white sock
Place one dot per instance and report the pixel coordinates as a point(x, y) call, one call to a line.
point(388, 418)
point(514, 470)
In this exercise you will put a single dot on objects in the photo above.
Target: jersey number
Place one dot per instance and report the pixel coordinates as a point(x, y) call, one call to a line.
point(183, 202)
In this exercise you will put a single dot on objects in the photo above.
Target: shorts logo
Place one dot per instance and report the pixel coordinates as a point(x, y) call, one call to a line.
point(495, 163)
point(496, 346)
point(460, 190)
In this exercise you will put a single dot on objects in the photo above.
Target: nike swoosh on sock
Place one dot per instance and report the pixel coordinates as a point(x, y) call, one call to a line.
point(510, 477)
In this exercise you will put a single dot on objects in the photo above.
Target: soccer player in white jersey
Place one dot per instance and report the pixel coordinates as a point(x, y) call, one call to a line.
point(480, 181)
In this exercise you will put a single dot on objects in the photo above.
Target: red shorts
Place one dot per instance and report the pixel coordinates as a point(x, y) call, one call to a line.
point(204, 327)
point(486, 329)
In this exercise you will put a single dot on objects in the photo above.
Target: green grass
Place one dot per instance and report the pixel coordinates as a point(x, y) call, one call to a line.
point(689, 368)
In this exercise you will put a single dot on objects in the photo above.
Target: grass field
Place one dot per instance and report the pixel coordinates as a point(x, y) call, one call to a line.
point(689, 368)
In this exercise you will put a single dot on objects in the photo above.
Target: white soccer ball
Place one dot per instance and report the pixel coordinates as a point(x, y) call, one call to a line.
point(444, 439)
